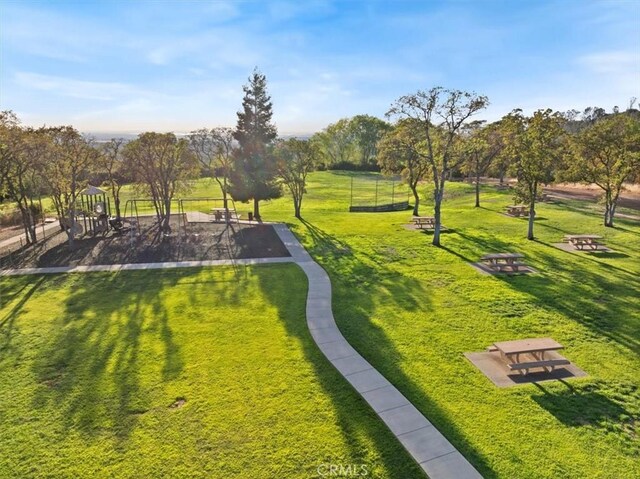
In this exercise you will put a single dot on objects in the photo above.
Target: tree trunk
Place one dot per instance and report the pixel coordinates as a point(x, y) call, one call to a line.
point(297, 202)
point(116, 201)
point(27, 224)
point(166, 226)
point(438, 201)
point(502, 177)
point(72, 228)
point(609, 209)
point(532, 216)
point(613, 211)
point(256, 209)
point(416, 200)
point(477, 189)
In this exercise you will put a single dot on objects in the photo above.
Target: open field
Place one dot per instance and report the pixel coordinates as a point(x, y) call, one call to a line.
point(93, 393)
point(94, 368)
point(413, 310)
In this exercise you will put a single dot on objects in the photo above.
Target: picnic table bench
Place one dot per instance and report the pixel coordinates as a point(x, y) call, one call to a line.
point(503, 261)
point(525, 354)
point(518, 210)
point(422, 221)
point(584, 241)
point(221, 213)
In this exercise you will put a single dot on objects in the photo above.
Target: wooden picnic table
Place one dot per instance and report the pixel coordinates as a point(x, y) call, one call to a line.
point(518, 210)
point(428, 221)
point(221, 213)
point(502, 261)
point(514, 351)
point(582, 241)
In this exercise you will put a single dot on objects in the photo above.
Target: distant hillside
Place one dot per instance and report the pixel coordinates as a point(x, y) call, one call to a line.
point(103, 136)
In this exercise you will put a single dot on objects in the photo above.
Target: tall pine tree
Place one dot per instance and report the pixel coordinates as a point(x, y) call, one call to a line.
point(254, 173)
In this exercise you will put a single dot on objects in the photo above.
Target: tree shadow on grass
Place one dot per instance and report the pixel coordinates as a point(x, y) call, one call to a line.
point(580, 407)
point(22, 288)
point(605, 305)
point(361, 282)
point(93, 358)
point(471, 248)
point(626, 230)
point(607, 254)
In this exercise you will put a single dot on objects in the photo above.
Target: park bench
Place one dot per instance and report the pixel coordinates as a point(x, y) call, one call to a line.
point(525, 354)
point(548, 365)
point(585, 241)
point(518, 210)
point(424, 221)
point(515, 266)
point(504, 262)
point(221, 214)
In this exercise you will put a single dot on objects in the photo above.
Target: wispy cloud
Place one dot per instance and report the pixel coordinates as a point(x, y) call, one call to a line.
point(69, 87)
point(181, 65)
point(612, 62)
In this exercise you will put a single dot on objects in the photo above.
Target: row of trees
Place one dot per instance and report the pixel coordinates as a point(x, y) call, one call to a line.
point(433, 138)
point(351, 143)
point(249, 163)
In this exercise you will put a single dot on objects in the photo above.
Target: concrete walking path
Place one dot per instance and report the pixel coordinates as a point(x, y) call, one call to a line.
point(430, 449)
point(21, 237)
point(143, 266)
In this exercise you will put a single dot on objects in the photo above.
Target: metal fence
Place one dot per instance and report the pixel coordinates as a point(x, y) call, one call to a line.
point(374, 192)
point(13, 248)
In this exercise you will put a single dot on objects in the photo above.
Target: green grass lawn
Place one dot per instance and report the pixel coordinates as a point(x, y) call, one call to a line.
point(412, 310)
point(91, 363)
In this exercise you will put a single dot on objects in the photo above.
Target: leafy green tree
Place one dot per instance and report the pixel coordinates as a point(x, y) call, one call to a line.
point(162, 165)
point(336, 144)
point(536, 145)
point(367, 131)
point(607, 153)
point(295, 159)
point(480, 146)
point(66, 171)
point(440, 113)
point(21, 153)
point(402, 150)
point(254, 172)
point(111, 162)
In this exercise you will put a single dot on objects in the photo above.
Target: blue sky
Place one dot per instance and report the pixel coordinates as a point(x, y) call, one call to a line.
point(176, 66)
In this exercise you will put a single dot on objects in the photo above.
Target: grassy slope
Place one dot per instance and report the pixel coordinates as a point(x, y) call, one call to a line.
point(413, 309)
point(89, 364)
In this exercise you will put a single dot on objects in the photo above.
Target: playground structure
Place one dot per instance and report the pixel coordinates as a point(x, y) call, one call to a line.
point(377, 193)
point(91, 213)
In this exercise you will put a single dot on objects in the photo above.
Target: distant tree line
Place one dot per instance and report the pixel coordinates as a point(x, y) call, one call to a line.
point(432, 137)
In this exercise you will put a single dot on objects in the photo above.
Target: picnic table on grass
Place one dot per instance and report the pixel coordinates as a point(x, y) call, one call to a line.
point(421, 221)
point(503, 261)
point(221, 213)
point(524, 354)
point(518, 210)
point(584, 241)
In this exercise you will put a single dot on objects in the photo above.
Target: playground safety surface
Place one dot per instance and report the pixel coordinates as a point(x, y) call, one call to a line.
point(146, 244)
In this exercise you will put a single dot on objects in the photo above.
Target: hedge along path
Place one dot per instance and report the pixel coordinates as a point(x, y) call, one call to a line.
point(430, 449)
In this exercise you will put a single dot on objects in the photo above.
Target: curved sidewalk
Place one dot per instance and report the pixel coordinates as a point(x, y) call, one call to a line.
point(430, 449)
